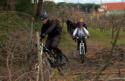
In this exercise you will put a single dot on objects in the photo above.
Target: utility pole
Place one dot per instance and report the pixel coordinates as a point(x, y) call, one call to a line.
point(39, 7)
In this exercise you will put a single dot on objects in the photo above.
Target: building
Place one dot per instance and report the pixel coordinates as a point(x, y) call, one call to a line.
point(113, 8)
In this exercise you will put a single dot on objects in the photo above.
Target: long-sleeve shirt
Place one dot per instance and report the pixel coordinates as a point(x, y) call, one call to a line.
point(50, 28)
point(80, 32)
point(82, 24)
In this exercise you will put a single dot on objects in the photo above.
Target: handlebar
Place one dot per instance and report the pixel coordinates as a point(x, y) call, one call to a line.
point(81, 37)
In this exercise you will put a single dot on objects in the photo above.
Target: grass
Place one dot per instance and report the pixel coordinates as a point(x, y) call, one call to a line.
point(66, 43)
point(79, 78)
point(96, 36)
point(121, 42)
point(9, 23)
point(105, 37)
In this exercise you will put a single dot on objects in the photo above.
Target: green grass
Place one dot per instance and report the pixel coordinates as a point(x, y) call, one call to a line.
point(121, 42)
point(66, 43)
point(96, 34)
point(37, 26)
point(105, 37)
point(79, 78)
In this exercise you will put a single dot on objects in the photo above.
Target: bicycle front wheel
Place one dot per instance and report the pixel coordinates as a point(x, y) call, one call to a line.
point(63, 67)
point(82, 54)
point(82, 57)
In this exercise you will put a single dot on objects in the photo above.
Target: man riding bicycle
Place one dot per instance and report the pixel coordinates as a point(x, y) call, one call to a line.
point(52, 29)
point(81, 30)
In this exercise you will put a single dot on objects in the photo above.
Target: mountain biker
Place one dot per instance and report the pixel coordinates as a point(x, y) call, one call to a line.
point(71, 26)
point(52, 29)
point(81, 23)
point(81, 29)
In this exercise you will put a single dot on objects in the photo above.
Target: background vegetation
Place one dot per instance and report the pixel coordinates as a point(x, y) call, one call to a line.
point(18, 54)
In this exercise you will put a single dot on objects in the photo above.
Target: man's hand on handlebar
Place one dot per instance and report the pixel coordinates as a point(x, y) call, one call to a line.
point(74, 38)
point(40, 39)
point(43, 36)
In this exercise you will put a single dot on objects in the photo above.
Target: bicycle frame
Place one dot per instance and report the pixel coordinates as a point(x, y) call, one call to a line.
point(82, 48)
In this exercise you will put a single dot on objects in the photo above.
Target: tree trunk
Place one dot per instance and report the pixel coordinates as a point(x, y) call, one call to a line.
point(39, 7)
point(11, 5)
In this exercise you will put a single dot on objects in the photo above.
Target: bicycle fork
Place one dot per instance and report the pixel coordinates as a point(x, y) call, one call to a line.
point(82, 48)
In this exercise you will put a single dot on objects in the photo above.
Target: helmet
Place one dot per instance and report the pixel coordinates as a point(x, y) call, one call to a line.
point(81, 20)
point(43, 15)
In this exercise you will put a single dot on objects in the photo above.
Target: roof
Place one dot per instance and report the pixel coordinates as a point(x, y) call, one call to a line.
point(114, 6)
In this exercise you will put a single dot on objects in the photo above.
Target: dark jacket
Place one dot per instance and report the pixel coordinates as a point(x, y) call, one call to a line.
point(71, 26)
point(52, 28)
point(81, 23)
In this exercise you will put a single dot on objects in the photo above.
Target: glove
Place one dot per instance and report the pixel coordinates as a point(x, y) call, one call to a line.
point(42, 35)
point(74, 38)
point(40, 39)
point(88, 37)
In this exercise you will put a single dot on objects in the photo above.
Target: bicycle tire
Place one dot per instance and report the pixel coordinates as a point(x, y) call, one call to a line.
point(82, 55)
point(82, 58)
point(63, 68)
point(53, 60)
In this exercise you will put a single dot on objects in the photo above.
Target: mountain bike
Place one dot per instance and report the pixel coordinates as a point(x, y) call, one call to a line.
point(82, 52)
point(54, 59)
point(48, 59)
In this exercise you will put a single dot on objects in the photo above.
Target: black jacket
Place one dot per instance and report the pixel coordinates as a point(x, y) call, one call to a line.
point(51, 28)
point(83, 24)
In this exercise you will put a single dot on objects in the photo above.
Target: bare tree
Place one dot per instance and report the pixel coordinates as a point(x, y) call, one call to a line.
point(39, 8)
point(116, 27)
point(11, 5)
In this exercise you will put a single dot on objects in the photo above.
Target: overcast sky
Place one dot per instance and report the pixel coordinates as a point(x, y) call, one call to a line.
point(88, 1)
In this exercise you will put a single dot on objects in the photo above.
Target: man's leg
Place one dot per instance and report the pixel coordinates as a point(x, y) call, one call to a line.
point(78, 44)
point(84, 40)
point(48, 46)
point(48, 43)
point(54, 45)
point(56, 50)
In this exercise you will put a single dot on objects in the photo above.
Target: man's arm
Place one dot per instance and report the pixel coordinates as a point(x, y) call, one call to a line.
point(51, 28)
point(75, 32)
point(43, 30)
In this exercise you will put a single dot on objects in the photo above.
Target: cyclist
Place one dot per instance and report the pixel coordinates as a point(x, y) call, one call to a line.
point(71, 26)
point(81, 29)
point(81, 23)
point(52, 29)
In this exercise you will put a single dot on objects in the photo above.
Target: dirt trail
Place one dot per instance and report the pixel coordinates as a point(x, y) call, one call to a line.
point(93, 62)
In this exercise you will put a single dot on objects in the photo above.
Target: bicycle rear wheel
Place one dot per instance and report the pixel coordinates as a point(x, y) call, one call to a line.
point(82, 58)
point(63, 67)
point(59, 62)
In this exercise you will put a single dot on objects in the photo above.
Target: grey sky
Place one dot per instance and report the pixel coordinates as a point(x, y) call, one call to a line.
point(88, 1)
